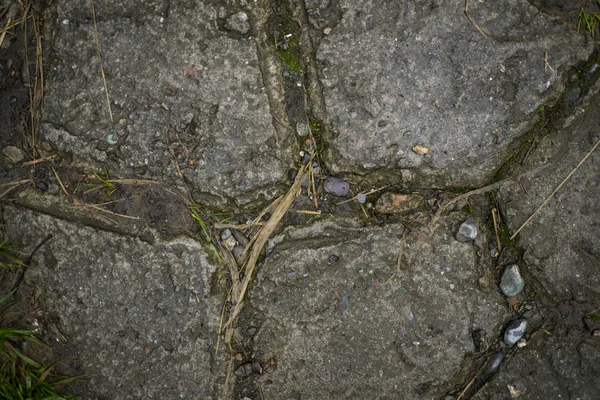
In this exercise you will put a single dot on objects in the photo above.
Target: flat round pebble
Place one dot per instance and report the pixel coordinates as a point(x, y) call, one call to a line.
point(336, 186)
point(361, 198)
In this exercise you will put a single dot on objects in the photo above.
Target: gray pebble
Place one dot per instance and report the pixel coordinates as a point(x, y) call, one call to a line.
point(494, 363)
point(515, 331)
point(361, 198)
point(301, 129)
point(230, 242)
point(449, 397)
point(336, 186)
point(252, 331)
point(239, 236)
point(238, 22)
point(512, 283)
point(237, 254)
point(225, 234)
point(468, 230)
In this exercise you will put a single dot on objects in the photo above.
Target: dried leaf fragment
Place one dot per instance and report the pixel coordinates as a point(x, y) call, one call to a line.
point(421, 149)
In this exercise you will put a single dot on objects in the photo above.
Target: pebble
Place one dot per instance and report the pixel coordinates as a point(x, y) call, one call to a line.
point(512, 283)
point(304, 157)
point(238, 22)
point(13, 153)
point(336, 186)
point(593, 68)
point(515, 331)
point(237, 251)
point(301, 129)
point(406, 175)
point(596, 332)
point(468, 230)
point(327, 30)
point(333, 258)
point(230, 242)
point(521, 343)
point(226, 234)
point(494, 363)
point(398, 203)
point(239, 236)
point(252, 331)
point(449, 398)
point(111, 139)
point(361, 198)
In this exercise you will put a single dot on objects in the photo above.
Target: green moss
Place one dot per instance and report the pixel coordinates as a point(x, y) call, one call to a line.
point(467, 209)
point(290, 57)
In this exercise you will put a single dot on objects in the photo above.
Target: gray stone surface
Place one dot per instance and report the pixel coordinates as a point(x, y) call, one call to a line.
point(174, 78)
point(398, 74)
point(338, 330)
point(140, 316)
point(562, 242)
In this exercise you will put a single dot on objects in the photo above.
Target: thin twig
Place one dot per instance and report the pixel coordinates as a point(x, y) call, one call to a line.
point(496, 230)
point(497, 185)
point(39, 160)
point(4, 32)
point(556, 190)
point(60, 182)
point(365, 193)
point(101, 66)
point(546, 65)
point(479, 28)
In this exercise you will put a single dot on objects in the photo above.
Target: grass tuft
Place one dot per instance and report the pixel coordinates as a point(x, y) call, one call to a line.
point(588, 20)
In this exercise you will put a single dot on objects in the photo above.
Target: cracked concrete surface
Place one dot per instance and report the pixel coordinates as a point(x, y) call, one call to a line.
point(205, 99)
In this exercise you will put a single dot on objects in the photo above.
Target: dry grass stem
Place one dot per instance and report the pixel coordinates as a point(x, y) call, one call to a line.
point(262, 237)
point(39, 160)
point(546, 65)
point(13, 185)
point(100, 60)
point(589, 153)
point(361, 194)
point(239, 227)
point(309, 212)
point(496, 230)
point(481, 30)
point(494, 186)
point(4, 31)
point(64, 189)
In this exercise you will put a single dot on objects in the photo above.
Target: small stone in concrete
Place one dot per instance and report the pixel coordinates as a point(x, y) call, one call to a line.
point(521, 343)
point(512, 283)
point(238, 22)
point(230, 242)
point(515, 331)
point(238, 251)
point(301, 129)
point(333, 258)
point(361, 198)
point(226, 234)
point(336, 186)
point(468, 230)
point(397, 203)
point(13, 154)
point(240, 237)
point(493, 364)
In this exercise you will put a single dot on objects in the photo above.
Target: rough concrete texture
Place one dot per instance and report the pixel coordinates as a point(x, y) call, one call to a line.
point(400, 74)
point(177, 79)
point(140, 316)
point(210, 84)
point(341, 330)
point(562, 243)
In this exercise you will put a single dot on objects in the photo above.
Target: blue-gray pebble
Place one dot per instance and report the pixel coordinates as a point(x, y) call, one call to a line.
point(336, 186)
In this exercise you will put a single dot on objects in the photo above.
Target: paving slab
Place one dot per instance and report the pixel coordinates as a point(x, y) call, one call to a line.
point(140, 316)
point(178, 77)
point(562, 241)
point(401, 74)
point(339, 330)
